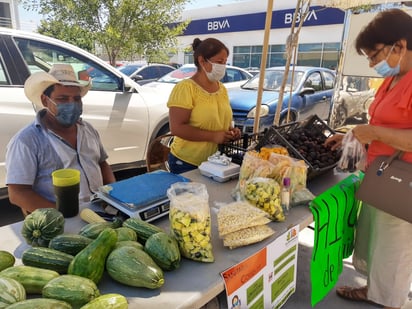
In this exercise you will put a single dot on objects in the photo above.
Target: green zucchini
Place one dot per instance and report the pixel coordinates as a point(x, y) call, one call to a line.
point(41, 303)
point(112, 301)
point(134, 267)
point(164, 250)
point(142, 228)
point(129, 243)
point(47, 258)
point(125, 233)
point(32, 278)
point(42, 225)
point(92, 230)
point(11, 291)
point(75, 290)
point(6, 259)
point(90, 262)
point(69, 243)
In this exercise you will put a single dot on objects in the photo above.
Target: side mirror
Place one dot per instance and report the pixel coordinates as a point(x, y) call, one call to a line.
point(306, 91)
point(137, 78)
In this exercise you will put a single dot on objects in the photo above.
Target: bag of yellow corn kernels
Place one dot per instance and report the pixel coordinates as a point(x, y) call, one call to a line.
point(264, 193)
point(190, 223)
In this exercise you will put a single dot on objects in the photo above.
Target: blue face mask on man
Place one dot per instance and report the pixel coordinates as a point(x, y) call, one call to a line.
point(67, 113)
point(384, 69)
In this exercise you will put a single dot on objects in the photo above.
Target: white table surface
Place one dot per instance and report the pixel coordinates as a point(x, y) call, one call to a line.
point(194, 283)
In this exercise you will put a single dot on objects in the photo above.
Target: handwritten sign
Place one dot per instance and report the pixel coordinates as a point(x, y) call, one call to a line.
point(267, 278)
point(335, 212)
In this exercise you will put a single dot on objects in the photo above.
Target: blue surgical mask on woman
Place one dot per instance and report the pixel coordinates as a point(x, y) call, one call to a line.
point(384, 69)
point(67, 113)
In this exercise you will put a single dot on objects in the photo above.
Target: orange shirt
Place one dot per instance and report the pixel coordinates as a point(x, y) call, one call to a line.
point(392, 109)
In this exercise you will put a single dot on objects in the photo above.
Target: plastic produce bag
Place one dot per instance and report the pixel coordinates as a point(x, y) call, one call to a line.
point(239, 215)
point(264, 193)
point(190, 220)
point(247, 236)
point(353, 154)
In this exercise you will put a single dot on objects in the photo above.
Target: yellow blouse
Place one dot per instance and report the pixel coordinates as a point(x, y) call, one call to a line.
point(209, 111)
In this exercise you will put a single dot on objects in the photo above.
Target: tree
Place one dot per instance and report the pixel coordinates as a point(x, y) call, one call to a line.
point(74, 35)
point(120, 27)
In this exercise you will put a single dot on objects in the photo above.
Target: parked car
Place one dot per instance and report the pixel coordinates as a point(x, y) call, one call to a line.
point(145, 73)
point(351, 104)
point(310, 92)
point(234, 77)
point(126, 115)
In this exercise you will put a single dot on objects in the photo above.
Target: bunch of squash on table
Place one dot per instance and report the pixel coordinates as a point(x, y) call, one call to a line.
point(65, 269)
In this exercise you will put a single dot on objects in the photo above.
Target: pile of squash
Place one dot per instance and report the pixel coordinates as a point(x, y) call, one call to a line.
point(65, 269)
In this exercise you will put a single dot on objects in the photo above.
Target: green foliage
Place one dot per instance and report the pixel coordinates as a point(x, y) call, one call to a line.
point(71, 34)
point(121, 27)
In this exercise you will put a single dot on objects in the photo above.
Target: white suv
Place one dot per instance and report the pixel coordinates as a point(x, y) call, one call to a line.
point(126, 115)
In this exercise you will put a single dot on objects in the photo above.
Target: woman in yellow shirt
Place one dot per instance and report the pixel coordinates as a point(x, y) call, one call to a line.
point(199, 110)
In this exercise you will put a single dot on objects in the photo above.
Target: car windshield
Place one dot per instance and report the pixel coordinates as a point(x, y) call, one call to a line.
point(177, 75)
point(273, 80)
point(129, 69)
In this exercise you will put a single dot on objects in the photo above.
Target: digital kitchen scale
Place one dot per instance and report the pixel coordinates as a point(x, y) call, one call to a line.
point(143, 197)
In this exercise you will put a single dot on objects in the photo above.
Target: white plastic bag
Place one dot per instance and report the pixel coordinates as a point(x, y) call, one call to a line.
point(353, 154)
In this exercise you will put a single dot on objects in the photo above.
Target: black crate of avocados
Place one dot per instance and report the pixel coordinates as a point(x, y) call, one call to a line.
point(304, 140)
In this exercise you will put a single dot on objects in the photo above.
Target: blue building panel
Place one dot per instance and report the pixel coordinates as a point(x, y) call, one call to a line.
point(317, 16)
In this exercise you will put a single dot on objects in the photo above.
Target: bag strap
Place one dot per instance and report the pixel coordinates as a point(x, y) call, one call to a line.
point(386, 163)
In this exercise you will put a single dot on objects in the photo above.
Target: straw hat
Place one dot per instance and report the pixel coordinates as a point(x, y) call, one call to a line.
point(62, 74)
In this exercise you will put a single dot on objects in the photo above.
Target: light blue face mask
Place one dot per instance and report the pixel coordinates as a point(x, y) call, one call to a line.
point(67, 113)
point(385, 70)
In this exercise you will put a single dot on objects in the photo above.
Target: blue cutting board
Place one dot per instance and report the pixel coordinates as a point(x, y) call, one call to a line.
point(144, 189)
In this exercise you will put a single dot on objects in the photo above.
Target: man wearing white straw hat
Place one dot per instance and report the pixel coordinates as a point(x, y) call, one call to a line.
point(56, 139)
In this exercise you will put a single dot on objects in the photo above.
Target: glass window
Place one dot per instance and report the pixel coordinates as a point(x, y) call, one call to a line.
point(241, 49)
point(189, 57)
point(331, 46)
point(309, 59)
point(310, 47)
point(164, 70)
point(3, 76)
point(41, 56)
point(314, 81)
point(276, 60)
point(255, 60)
point(330, 60)
point(329, 80)
point(149, 72)
point(257, 49)
point(277, 48)
point(241, 60)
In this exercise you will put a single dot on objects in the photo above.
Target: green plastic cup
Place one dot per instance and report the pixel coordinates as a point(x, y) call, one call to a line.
point(66, 184)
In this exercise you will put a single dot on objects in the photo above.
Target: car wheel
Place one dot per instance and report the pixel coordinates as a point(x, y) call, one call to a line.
point(340, 116)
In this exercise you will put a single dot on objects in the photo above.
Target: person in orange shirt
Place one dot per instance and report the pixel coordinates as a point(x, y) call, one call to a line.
point(382, 249)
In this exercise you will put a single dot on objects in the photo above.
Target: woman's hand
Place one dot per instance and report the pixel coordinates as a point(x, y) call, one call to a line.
point(235, 133)
point(334, 141)
point(223, 137)
point(364, 133)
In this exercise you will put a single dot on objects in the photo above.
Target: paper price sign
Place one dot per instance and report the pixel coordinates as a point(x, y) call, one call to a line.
point(267, 278)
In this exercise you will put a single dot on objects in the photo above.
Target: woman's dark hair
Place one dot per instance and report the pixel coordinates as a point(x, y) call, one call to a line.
point(387, 28)
point(207, 48)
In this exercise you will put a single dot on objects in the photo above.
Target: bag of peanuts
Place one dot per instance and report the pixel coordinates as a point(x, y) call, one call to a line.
point(190, 222)
point(241, 224)
point(239, 215)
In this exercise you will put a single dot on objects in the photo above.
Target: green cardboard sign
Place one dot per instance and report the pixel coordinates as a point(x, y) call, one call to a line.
point(335, 213)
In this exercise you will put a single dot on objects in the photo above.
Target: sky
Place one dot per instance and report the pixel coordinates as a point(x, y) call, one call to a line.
point(30, 20)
